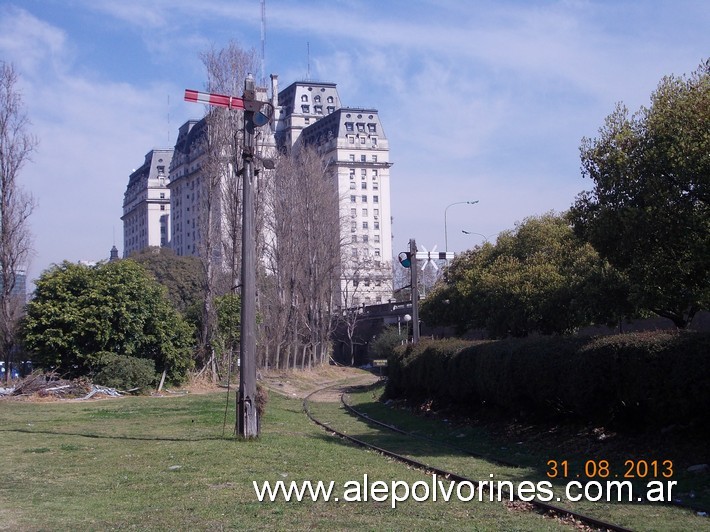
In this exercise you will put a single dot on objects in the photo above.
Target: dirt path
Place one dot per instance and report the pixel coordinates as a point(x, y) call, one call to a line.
point(300, 383)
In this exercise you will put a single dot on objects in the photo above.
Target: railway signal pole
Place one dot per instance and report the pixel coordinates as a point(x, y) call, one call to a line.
point(409, 260)
point(256, 113)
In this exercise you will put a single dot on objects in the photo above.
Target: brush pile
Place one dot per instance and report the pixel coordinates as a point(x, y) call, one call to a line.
point(50, 385)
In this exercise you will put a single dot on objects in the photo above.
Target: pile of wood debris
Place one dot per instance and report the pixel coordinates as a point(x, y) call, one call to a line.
point(49, 385)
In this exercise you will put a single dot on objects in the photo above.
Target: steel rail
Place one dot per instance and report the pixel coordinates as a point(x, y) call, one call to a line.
point(543, 506)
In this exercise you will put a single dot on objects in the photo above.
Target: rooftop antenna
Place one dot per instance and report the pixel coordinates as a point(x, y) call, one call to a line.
point(168, 119)
point(308, 54)
point(263, 39)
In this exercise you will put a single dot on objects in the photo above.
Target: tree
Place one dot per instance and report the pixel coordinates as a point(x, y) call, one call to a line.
point(16, 206)
point(220, 189)
point(649, 212)
point(537, 278)
point(182, 276)
point(81, 312)
point(303, 258)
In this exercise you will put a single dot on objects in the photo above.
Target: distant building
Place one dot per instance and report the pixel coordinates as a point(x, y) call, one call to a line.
point(185, 183)
point(20, 288)
point(162, 201)
point(146, 204)
point(353, 141)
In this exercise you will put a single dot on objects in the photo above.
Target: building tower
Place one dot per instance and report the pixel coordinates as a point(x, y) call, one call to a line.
point(353, 141)
point(146, 204)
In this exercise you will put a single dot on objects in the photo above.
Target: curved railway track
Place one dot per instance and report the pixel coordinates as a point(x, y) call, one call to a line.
point(540, 506)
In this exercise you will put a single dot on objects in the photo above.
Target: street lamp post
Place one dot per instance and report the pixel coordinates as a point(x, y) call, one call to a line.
point(446, 210)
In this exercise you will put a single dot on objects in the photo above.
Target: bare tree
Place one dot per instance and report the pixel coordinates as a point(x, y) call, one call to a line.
point(16, 206)
point(304, 259)
point(220, 205)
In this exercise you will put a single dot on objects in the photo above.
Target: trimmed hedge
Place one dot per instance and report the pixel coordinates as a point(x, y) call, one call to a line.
point(640, 379)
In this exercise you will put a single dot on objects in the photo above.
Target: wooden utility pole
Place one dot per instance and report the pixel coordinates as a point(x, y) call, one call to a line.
point(256, 113)
point(247, 416)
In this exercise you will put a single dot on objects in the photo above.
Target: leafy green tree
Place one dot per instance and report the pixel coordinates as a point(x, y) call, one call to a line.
point(81, 312)
point(648, 212)
point(183, 276)
point(385, 342)
point(537, 278)
point(226, 338)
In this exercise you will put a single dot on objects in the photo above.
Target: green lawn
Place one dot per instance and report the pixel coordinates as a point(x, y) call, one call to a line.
point(149, 463)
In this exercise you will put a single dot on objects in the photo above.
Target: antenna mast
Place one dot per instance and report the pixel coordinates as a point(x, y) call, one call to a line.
point(308, 56)
point(263, 39)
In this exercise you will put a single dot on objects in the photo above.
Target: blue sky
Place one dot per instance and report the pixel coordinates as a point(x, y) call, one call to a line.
point(480, 100)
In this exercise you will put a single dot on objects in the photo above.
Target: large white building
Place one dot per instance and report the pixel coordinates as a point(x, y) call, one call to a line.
point(146, 204)
point(186, 177)
point(351, 139)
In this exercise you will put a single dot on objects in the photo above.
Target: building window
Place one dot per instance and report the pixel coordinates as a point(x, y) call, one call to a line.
point(377, 253)
point(362, 140)
point(353, 212)
point(316, 98)
point(363, 173)
point(363, 158)
point(330, 99)
point(353, 226)
point(351, 139)
point(352, 173)
point(365, 225)
point(361, 127)
point(306, 109)
point(331, 109)
point(364, 212)
point(304, 98)
point(364, 239)
point(374, 158)
point(162, 207)
point(374, 174)
point(353, 239)
point(376, 212)
point(364, 198)
point(352, 185)
point(352, 158)
point(377, 226)
point(374, 141)
point(364, 185)
point(371, 128)
point(377, 239)
point(352, 199)
point(348, 126)
point(375, 199)
point(375, 186)
point(162, 195)
point(318, 109)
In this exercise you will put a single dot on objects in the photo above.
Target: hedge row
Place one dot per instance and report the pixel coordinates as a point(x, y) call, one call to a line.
point(639, 380)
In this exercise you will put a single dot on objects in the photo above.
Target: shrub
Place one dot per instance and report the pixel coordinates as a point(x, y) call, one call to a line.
point(631, 380)
point(125, 373)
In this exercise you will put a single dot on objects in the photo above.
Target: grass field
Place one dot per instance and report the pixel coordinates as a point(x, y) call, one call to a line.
point(145, 463)
point(148, 463)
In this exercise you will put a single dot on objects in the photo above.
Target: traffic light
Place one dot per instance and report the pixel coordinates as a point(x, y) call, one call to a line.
point(405, 259)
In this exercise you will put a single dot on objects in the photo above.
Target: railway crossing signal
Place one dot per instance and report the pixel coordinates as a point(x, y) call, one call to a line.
point(405, 259)
point(408, 259)
point(256, 113)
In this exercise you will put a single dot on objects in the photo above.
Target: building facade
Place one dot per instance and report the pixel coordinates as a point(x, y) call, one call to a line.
point(185, 186)
point(146, 203)
point(162, 201)
point(353, 142)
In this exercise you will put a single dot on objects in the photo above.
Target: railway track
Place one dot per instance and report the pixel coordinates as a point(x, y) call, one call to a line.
point(539, 506)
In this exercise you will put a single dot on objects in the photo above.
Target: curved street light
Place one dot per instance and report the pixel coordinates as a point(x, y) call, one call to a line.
point(446, 232)
point(479, 234)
